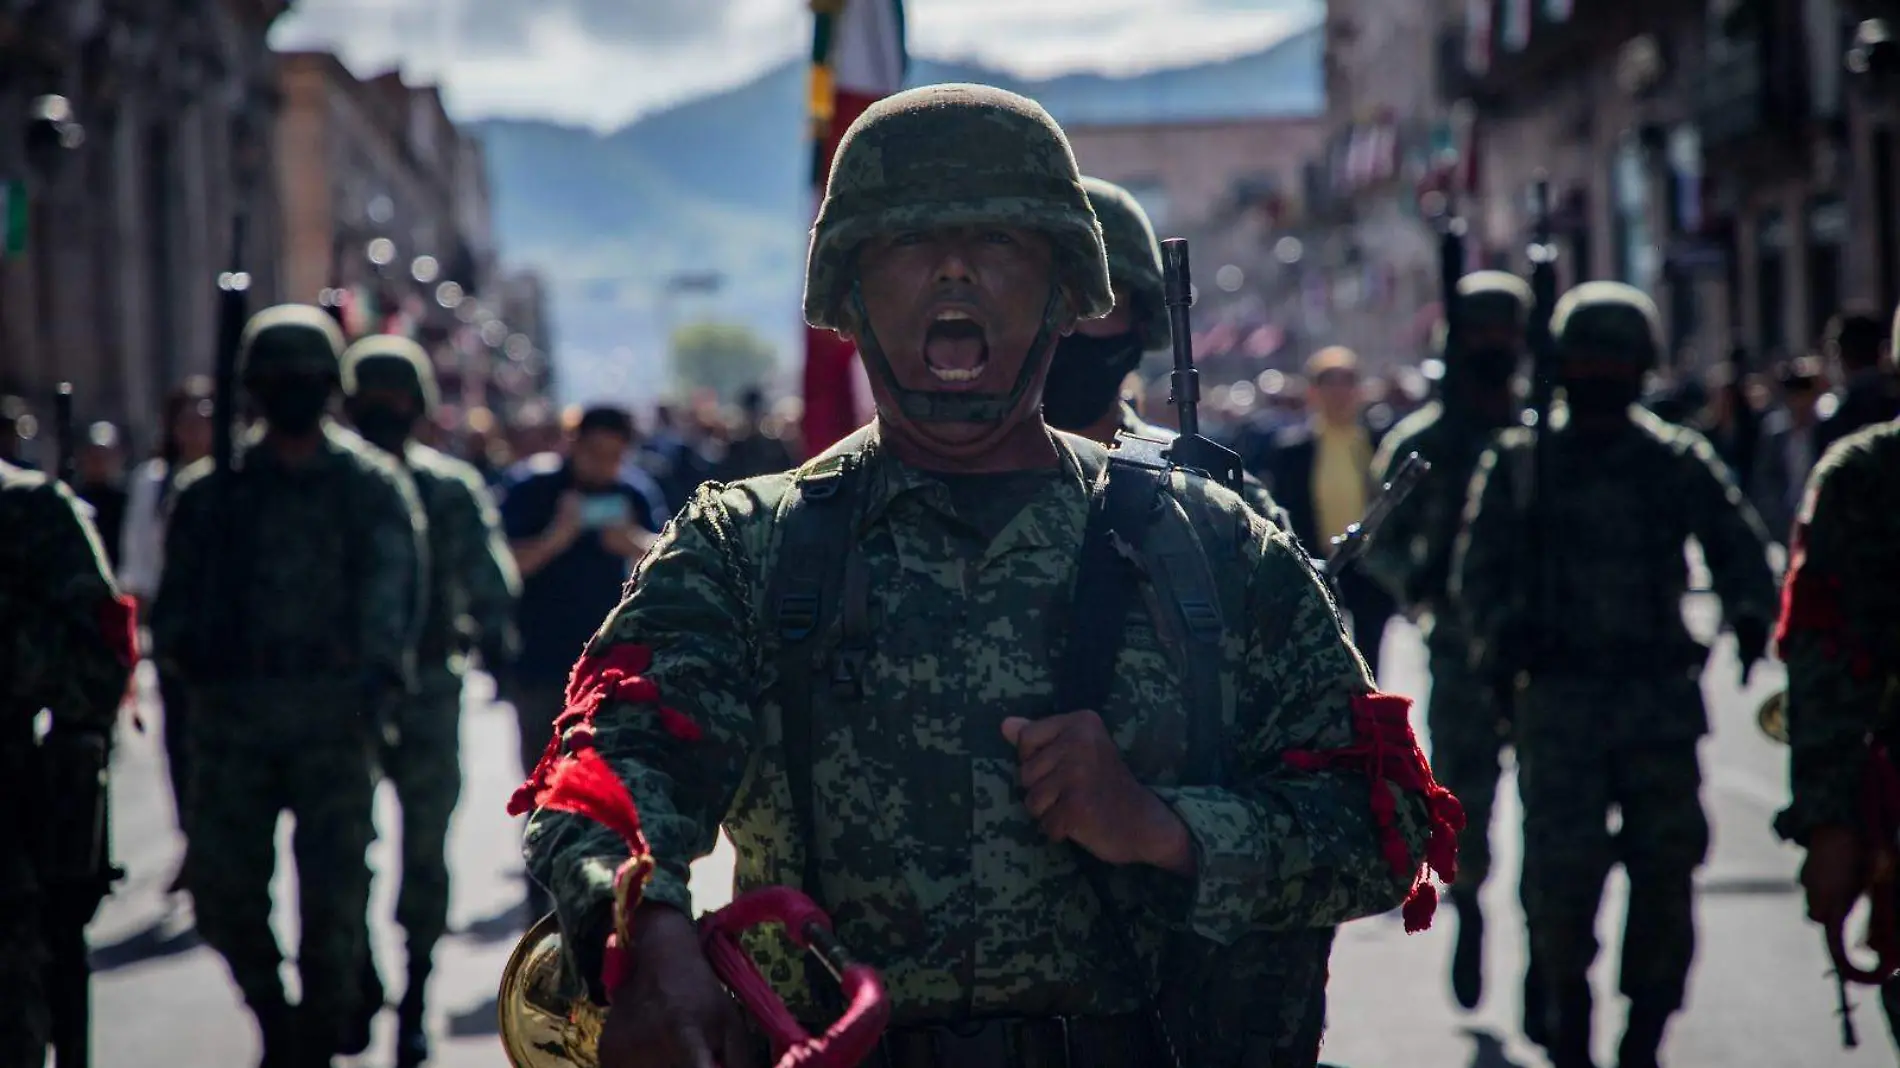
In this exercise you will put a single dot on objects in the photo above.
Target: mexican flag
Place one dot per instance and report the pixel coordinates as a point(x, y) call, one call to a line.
point(857, 58)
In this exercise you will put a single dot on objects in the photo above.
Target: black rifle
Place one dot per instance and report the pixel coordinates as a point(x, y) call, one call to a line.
point(66, 467)
point(1529, 475)
point(76, 865)
point(1451, 267)
point(1350, 546)
point(1191, 449)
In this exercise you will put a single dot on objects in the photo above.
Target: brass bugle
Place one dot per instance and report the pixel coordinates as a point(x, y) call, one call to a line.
point(1772, 717)
point(547, 1020)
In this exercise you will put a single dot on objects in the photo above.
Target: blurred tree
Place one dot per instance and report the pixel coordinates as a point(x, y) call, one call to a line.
point(725, 358)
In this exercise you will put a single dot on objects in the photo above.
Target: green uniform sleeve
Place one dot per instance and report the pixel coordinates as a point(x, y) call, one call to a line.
point(1282, 848)
point(484, 564)
point(392, 574)
point(69, 661)
point(1734, 540)
point(1837, 558)
point(1481, 578)
point(687, 628)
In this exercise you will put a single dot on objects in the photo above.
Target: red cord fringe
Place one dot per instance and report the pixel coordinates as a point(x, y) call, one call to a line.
point(1386, 751)
point(1811, 603)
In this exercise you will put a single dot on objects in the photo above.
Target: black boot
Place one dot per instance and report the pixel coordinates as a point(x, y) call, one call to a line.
point(1536, 1018)
point(412, 1036)
point(356, 1033)
point(1467, 958)
point(276, 1026)
point(1642, 1037)
point(1570, 1026)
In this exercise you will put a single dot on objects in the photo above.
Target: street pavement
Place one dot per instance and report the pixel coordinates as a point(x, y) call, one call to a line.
point(1760, 995)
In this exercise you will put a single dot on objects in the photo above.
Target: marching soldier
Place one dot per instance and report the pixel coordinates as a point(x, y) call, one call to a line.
point(1412, 559)
point(858, 669)
point(1608, 697)
point(1840, 637)
point(68, 643)
point(326, 568)
point(388, 384)
point(1082, 394)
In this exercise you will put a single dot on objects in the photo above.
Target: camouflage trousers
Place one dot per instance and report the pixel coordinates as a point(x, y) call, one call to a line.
point(426, 770)
point(1571, 776)
point(1259, 1003)
point(252, 761)
point(1467, 741)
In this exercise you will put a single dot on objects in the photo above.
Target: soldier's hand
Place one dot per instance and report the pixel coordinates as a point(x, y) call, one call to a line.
point(672, 1012)
point(1834, 873)
point(1079, 789)
point(1751, 643)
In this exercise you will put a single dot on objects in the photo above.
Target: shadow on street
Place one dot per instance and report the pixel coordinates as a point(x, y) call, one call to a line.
point(501, 926)
point(1488, 1051)
point(163, 937)
point(1747, 886)
point(476, 1021)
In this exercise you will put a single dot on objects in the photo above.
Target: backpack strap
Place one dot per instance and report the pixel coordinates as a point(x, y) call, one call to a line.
point(816, 562)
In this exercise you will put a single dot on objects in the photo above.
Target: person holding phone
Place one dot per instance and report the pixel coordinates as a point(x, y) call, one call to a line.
point(575, 524)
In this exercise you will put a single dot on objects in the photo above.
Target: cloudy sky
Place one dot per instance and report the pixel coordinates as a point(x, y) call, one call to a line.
point(603, 62)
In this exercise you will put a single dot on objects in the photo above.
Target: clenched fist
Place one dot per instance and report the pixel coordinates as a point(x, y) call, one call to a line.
point(672, 1012)
point(1079, 789)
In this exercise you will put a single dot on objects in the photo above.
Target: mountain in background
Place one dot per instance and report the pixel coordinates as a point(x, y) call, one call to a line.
point(721, 183)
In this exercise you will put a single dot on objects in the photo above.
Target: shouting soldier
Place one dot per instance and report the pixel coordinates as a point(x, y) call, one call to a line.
point(857, 669)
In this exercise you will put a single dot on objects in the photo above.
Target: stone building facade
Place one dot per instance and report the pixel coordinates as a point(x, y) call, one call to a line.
point(130, 209)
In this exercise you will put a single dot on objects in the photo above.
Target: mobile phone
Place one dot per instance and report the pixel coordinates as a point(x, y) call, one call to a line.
point(605, 510)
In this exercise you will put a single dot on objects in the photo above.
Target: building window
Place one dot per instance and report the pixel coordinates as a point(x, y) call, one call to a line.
point(1827, 241)
point(1635, 245)
point(1771, 257)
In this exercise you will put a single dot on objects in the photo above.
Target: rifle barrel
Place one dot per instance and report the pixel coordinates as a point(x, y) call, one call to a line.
point(1178, 290)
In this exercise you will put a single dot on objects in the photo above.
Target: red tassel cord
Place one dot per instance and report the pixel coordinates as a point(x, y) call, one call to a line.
point(1386, 751)
point(119, 626)
point(617, 674)
point(1811, 604)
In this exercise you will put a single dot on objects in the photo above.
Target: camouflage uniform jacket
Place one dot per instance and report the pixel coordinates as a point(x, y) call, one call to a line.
point(472, 578)
point(1840, 627)
point(66, 643)
point(1615, 514)
point(1253, 491)
point(327, 572)
point(1411, 557)
point(931, 866)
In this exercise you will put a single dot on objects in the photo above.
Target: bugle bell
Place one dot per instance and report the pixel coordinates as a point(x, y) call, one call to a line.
point(1772, 717)
point(548, 1020)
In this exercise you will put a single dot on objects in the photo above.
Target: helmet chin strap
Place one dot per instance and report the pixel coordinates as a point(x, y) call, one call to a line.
point(942, 406)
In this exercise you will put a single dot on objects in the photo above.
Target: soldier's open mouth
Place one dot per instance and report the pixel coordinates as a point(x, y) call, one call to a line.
point(955, 349)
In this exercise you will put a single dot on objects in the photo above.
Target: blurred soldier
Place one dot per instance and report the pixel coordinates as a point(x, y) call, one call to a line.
point(1858, 341)
point(323, 575)
point(1411, 558)
point(68, 645)
point(1083, 392)
point(1608, 697)
point(388, 385)
point(923, 776)
point(1840, 636)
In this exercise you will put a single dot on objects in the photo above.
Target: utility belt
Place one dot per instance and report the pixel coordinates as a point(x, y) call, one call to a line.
point(1124, 1041)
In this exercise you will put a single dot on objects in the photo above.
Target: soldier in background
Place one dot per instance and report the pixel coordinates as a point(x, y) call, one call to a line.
point(323, 573)
point(1411, 559)
point(68, 643)
point(1083, 392)
point(754, 449)
point(388, 386)
point(1607, 678)
point(1840, 637)
point(1858, 340)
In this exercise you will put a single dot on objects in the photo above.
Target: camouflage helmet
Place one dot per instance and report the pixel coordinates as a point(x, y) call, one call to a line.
point(1494, 298)
point(290, 339)
point(387, 361)
point(1610, 318)
point(948, 155)
point(1134, 257)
